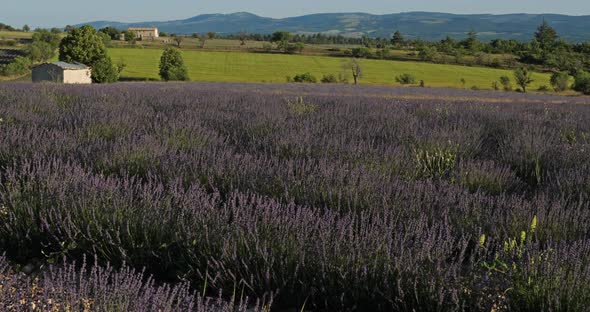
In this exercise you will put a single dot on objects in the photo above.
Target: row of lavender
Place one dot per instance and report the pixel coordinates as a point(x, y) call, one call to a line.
point(323, 197)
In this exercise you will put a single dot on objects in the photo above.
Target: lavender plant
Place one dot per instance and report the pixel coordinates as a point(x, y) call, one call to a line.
point(347, 198)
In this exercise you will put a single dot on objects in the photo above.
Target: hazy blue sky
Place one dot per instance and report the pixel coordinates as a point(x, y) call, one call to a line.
point(61, 12)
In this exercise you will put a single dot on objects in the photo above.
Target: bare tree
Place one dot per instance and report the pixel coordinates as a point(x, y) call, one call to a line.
point(355, 67)
point(202, 39)
point(178, 40)
point(243, 36)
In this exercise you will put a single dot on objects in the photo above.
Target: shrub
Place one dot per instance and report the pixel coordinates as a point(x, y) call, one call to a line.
point(20, 65)
point(495, 86)
point(362, 52)
point(330, 78)
point(435, 161)
point(506, 83)
point(560, 81)
point(582, 82)
point(305, 78)
point(543, 88)
point(104, 71)
point(406, 79)
point(172, 66)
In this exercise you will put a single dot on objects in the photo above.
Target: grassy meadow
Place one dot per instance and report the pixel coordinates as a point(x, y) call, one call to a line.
point(257, 67)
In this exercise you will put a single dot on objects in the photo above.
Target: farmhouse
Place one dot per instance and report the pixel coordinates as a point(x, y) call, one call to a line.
point(145, 33)
point(62, 72)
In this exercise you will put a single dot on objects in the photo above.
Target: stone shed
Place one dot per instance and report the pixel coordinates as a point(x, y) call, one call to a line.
point(62, 72)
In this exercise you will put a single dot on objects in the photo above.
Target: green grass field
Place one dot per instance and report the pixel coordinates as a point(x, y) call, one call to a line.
point(257, 67)
point(15, 34)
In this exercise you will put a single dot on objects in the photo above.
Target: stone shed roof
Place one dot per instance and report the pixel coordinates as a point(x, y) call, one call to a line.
point(64, 65)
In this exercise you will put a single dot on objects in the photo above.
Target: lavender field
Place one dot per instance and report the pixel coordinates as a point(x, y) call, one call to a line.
point(260, 197)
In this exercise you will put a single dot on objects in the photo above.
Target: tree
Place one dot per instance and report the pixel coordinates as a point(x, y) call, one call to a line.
point(281, 38)
point(202, 39)
point(178, 40)
point(355, 67)
point(85, 45)
point(26, 28)
point(82, 45)
point(172, 66)
point(69, 28)
point(47, 36)
point(211, 35)
point(546, 36)
point(523, 78)
point(113, 32)
point(106, 39)
point(560, 81)
point(103, 71)
point(300, 46)
point(398, 39)
point(471, 43)
point(362, 52)
point(40, 51)
point(130, 36)
point(243, 36)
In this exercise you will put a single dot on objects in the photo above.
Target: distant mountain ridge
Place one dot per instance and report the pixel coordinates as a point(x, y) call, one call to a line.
point(423, 25)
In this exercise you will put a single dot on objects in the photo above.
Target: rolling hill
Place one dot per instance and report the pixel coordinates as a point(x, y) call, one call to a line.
point(424, 25)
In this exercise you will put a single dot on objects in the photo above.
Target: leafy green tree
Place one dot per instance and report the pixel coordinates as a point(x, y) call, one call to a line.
point(112, 32)
point(211, 35)
point(82, 45)
point(281, 39)
point(26, 28)
point(560, 81)
point(172, 66)
point(582, 82)
point(523, 78)
point(55, 30)
point(47, 36)
point(546, 36)
point(362, 52)
point(106, 39)
point(40, 51)
point(300, 46)
point(103, 71)
point(471, 43)
point(427, 53)
point(130, 36)
point(397, 39)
